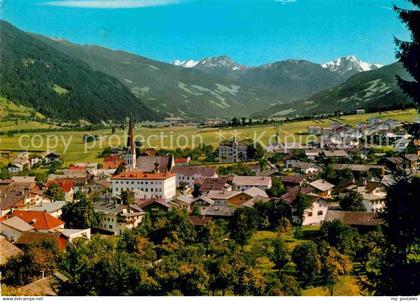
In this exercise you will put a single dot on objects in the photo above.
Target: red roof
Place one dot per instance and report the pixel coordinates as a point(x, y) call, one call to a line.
point(112, 162)
point(31, 237)
point(76, 167)
point(137, 174)
point(182, 160)
point(111, 158)
point(64, 184)
point(38, 219)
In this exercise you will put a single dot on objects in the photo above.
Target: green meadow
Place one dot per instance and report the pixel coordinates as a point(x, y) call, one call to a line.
point(71, 146)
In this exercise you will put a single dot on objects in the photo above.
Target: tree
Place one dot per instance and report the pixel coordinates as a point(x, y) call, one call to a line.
point(255, 151)
point(127, 196)
point(277, 188)
point(27, 266)
point(308, 264)
point(55, 192)
point(399, 263)
point(301, 203)
point(285, 226)
point(409, 51)
point(183, 187)
point(196, 191)
point(335, 264)
point(243, 224)
point(339, 236)
point(80, 214)
point(270, 214)
point(280, 255)
point(283, 284)
point(352, 201)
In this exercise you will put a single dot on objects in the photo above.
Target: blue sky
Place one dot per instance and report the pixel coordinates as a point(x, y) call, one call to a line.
point(252, 32)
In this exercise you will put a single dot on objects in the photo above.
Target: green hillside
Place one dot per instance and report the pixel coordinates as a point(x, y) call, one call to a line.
point(36, 75)
point(171, 89)
point(376, 90)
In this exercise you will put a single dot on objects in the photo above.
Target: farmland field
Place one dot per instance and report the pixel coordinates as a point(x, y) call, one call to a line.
point(71, 146)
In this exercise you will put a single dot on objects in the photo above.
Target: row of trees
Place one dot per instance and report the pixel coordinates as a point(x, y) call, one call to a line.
point(167, 255)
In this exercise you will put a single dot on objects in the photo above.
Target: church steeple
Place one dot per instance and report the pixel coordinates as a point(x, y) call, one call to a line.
point(130, 155)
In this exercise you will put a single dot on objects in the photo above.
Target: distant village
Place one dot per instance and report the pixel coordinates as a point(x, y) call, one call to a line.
point(328, 169)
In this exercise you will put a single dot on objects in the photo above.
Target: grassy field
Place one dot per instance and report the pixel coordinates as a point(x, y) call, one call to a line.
point(73, 149)
point(346, 286)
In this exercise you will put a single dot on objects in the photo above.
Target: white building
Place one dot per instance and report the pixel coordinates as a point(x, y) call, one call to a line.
point(115, 218)
point(314, 215)
point(374, 195)
point(145, 185)
point(243, 183)
point(192, 174)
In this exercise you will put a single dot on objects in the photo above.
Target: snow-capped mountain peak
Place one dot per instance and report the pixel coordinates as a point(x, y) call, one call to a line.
point(349, 65)
point(186, 63)
point(224, 62)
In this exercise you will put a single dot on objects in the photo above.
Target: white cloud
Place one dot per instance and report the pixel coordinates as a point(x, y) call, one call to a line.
point(110, 3)
point(285, 1)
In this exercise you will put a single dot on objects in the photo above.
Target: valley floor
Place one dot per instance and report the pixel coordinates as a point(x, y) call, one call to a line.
point(73, 149)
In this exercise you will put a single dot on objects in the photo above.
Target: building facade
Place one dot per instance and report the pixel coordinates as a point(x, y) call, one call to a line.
point(145, 185)
point(233, 151)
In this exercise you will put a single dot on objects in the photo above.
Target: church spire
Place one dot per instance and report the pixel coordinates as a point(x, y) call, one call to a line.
point(130, 156)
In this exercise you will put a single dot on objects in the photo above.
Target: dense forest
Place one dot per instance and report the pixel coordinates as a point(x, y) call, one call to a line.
point(36, 75)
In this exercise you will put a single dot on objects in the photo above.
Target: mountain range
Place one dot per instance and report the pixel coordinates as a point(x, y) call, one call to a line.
point(373, 90)
point(61, 79)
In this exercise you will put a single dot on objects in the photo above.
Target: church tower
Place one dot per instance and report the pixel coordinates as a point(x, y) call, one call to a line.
point(130, 155)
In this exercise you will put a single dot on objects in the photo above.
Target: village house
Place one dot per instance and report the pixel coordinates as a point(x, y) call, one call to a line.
point(114, 218)
point(183, 202)
point(312, 154)
point(182, 161)
point(360, 168)
point(13, 227)
point(65, 185)
point(53, 208)
point(193, 174)
point(72, 234)
point(361, 220)
point(145, 185)
point(235, 198)
point(217, 212)
point(221, 197)
point(52, 157)
point(336, 154)
point(7, 250)
point(220, 183)
point(33, 237)
point(15, 167)
point(203, 201)
point(40, 221)
point(159, 164)
point(306, 168)
point(293, 180)
point(112, 162)
point(374, 195)
point(20, 195)
point(154, 204)
point(322, 188)
point(401, 145)
point(233, 151)
point(243, 183)
point(315, 214)
point(244, 197)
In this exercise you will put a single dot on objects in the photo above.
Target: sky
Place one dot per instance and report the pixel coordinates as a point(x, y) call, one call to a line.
point(252, 32)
